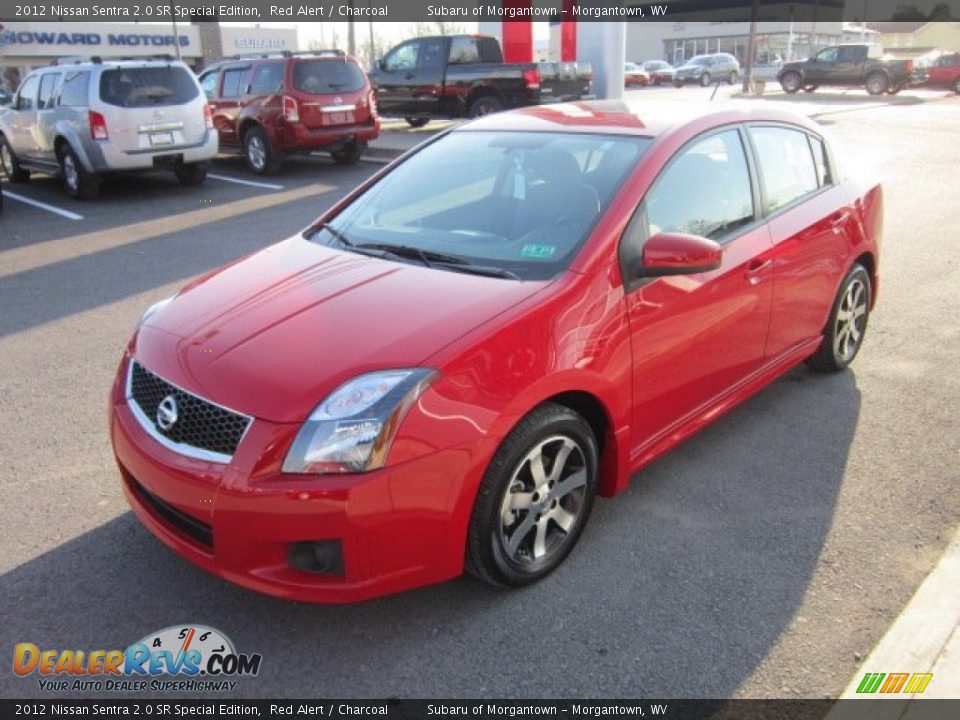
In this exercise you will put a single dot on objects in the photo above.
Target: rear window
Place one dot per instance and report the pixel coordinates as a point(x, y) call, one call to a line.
point(147, 86)
point(327, 76)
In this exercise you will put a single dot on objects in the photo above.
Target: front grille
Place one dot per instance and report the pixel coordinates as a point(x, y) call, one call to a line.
point(194, 529)
point(199, 423)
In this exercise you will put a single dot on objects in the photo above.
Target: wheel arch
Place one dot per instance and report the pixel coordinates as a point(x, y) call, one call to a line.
point(869, 263)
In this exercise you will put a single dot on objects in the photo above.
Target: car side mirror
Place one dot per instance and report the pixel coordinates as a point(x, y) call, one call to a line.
point(669, 253)
point(381, 64)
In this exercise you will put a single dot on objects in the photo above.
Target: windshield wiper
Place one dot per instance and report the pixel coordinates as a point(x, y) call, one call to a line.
point(346, 242)
point(427, 257)
point(485, 270)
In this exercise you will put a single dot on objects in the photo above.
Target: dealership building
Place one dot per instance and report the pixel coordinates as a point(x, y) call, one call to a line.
point(28, 45)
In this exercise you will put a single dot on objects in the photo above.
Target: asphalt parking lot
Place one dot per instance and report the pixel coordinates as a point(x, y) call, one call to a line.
point(763, 558)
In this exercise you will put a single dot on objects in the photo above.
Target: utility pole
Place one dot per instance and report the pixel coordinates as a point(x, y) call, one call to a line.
point(751, 47)
point(351, 33)
point(373, 46)
point(176, 35)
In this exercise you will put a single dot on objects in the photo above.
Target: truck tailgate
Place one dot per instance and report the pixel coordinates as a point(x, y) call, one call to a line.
point(564, 81)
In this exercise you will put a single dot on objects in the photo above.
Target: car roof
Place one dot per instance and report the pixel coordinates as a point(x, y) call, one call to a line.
point(626, 117)
point(108, 64)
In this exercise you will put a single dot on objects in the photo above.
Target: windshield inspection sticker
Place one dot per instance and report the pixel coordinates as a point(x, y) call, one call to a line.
point(539, 252)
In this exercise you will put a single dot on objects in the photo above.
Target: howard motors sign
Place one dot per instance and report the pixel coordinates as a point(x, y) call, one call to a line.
point(64, 39)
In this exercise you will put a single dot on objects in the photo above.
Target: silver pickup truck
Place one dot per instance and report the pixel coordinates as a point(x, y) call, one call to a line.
point(87, 119)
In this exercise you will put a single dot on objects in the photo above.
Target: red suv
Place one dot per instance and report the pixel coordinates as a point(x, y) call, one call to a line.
point(270, 105)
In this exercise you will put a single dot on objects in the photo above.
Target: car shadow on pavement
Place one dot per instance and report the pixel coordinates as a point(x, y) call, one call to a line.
point(679, 588)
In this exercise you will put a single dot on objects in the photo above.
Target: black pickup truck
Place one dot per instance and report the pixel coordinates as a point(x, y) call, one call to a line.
point(465, 76)
point(848, 65)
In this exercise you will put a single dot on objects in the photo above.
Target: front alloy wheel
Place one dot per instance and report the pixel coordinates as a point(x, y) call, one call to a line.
point(535, 498)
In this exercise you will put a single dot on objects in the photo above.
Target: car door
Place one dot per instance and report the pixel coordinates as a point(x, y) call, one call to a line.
point(695, 337)
point(45, 129)
point(820, 67)
point(23, 116)
point(233, 90)
point(808, 225)
point(396, 79)
point(848, 69)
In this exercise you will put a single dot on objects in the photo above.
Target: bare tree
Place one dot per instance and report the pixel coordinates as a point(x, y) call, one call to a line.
point(423, 29)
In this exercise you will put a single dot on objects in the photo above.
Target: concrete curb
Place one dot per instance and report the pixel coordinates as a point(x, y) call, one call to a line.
point(925, 638)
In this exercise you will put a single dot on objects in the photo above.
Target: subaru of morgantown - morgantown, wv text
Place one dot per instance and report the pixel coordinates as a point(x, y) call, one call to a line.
point(449, 365)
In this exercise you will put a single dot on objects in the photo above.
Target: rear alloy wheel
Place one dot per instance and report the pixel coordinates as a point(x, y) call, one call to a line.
point(192, 174)
point(809, 88)
point(347, 154)
point(877, 83)
point(844, 333)
point(79, 184)
point(416, 122)
point(485, 105)
point(705, 79)
point(10, 165)
point(535, 498)
point(790, 82)
point(260, 155)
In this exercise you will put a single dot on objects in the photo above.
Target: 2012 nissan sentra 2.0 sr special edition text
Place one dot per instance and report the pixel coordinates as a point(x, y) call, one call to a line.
point(446, 369)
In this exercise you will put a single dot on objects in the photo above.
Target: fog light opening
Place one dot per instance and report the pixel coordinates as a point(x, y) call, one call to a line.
point(323, 557)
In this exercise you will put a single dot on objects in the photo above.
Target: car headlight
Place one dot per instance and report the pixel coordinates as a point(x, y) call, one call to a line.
point(154, 309)
point(352, 429)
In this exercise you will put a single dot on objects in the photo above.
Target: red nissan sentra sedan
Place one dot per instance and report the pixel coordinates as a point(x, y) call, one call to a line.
point(447, 367)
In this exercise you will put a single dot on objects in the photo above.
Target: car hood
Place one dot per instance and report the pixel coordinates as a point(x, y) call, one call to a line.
point(275, 333)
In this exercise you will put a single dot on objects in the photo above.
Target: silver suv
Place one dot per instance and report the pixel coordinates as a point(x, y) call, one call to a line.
point(87, 119)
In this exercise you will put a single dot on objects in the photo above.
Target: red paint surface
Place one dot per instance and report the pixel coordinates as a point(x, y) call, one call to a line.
point(272, 334)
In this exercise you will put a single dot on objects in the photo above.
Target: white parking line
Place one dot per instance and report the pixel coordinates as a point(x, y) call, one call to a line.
point(269, 186)
point(43, 206)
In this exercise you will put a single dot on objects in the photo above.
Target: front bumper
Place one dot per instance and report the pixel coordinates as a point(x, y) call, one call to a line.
point(398, 528)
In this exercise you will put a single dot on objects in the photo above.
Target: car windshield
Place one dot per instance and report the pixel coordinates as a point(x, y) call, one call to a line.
point(507, 204)
point(147, 86)
point(327, 76)
point(699, 61)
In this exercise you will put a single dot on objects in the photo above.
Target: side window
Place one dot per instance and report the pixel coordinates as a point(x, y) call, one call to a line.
point(208, 83)
point(27, 96)
point(705, 190)
point(827, 56)
point(267, 78)
point(431, 53)
point(234, 84)
point(404, 57)
point(463, 50)
point(950, 61)
point(786, 164)
point(851, 54)
point(49, 87)
point(74, 92)
point(490, 50)
point(821, 160)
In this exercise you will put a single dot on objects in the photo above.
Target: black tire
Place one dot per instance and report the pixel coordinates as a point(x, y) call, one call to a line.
point(791, 82)
point(705, 79)
point(347, 154)
point(484, 105)
point(10, 165)
point(877, 83)
point(76, 180)
point(834, 353)
point(732, 77)
point(416, 122)
point(192, 174)
point(678, 83)
point(259, 153)
point(956, 85)
point(547, 429)
point(809, 88)
point(894, 89)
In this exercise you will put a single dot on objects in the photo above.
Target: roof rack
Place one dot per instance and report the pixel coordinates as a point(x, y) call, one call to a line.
point(332, 52)
point(99, 60)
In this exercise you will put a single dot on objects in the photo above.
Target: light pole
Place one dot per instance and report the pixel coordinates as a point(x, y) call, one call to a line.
point(176, 34)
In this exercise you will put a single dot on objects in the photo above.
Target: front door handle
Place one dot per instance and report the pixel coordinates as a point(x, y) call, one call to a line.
point(755, 270)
